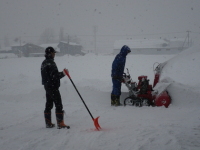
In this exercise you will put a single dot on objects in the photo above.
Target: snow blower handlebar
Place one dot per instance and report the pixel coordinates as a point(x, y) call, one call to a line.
point(127, 71)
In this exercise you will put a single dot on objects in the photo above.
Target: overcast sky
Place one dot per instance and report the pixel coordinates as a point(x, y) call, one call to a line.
point(29, 18)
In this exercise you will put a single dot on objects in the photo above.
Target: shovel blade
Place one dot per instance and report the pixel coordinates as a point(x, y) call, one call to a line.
point(96, 123)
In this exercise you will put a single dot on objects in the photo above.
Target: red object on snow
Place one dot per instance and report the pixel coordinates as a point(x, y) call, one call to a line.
point(163, 99)
point(144, 91)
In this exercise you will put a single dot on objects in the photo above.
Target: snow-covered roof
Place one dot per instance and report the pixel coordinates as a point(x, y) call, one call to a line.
point(18, 44)
point(54, 45)
point(70, 43)
point(140, 43)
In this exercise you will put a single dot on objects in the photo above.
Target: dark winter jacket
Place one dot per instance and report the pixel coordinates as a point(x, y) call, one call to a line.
point(50, 75)
point(119, 63)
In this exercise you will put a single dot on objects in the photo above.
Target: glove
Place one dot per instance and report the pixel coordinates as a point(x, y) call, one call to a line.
point(65, 71)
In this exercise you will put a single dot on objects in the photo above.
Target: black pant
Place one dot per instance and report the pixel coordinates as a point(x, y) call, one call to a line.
point(53, 96)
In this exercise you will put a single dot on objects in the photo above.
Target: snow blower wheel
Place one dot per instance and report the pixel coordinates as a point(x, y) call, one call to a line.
point(131, 101)
point(145, 102)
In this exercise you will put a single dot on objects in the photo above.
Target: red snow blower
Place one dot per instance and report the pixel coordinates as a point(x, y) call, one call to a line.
point(143, 94)
point(95, 120)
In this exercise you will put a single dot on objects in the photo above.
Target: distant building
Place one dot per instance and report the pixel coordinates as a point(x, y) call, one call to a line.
point(151, 46)
point(18, 49)
point(70, 48)
point(27, 50)
point(6, 50)
point(32, 50)
point(54, 45)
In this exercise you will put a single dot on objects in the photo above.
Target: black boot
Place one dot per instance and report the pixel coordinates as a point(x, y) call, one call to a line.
point(113, 97)
point(117, 101)
point(47, 117)
point(60, 120)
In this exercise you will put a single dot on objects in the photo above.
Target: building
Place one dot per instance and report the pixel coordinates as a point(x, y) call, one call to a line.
point(54, 45)
point(151, 46)
point(32, 50)
point(6, 50)
point(27, 50)
point(17, 49)
point(70, 48)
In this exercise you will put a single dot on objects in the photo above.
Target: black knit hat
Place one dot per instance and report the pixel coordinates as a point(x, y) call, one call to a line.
point(50, 50)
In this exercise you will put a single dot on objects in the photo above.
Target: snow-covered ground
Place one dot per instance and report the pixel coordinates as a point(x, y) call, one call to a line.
point(22, 101)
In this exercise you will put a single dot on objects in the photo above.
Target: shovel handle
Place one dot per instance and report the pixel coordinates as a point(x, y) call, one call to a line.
point(96, 124)
point(67, 73)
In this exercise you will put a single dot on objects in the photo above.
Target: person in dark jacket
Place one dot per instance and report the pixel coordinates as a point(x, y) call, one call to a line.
point(51, 81)
point(117, 74)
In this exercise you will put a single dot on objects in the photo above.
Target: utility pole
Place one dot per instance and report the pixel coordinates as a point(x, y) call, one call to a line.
point(68, 45)
point(188, 35)
point(95, 39)
point(20, 41)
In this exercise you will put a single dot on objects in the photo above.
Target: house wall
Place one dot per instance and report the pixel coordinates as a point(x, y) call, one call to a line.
point(70, 49)
point(30, 49)
point(18, 50)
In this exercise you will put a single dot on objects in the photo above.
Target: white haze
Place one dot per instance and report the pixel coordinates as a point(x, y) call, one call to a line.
point(114, 19)
point(22, 101)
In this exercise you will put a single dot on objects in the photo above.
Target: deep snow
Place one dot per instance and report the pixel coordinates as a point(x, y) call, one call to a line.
point(22, 100)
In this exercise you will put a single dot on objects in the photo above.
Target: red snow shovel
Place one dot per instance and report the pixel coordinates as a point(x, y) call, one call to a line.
point(95, 120)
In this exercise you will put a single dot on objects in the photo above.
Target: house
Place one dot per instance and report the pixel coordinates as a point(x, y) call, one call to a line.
point(6, 50)
point(17, 49)
point(43, 47)
point(27, 50)
point(70, 48)
point(54, 45)
point(33, 50)
point(151, 46)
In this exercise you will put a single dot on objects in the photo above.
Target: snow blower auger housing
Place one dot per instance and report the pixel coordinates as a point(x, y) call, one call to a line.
point(142, 93)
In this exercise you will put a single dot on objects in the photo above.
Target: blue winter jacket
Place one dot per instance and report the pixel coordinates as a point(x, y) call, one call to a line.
point(119, 63)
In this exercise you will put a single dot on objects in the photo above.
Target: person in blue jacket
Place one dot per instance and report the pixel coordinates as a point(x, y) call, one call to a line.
point(117, 74)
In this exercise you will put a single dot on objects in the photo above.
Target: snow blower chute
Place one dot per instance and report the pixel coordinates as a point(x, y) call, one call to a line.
point(143, 93)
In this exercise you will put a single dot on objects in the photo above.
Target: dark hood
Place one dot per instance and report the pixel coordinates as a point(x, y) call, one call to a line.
point(124, 50)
